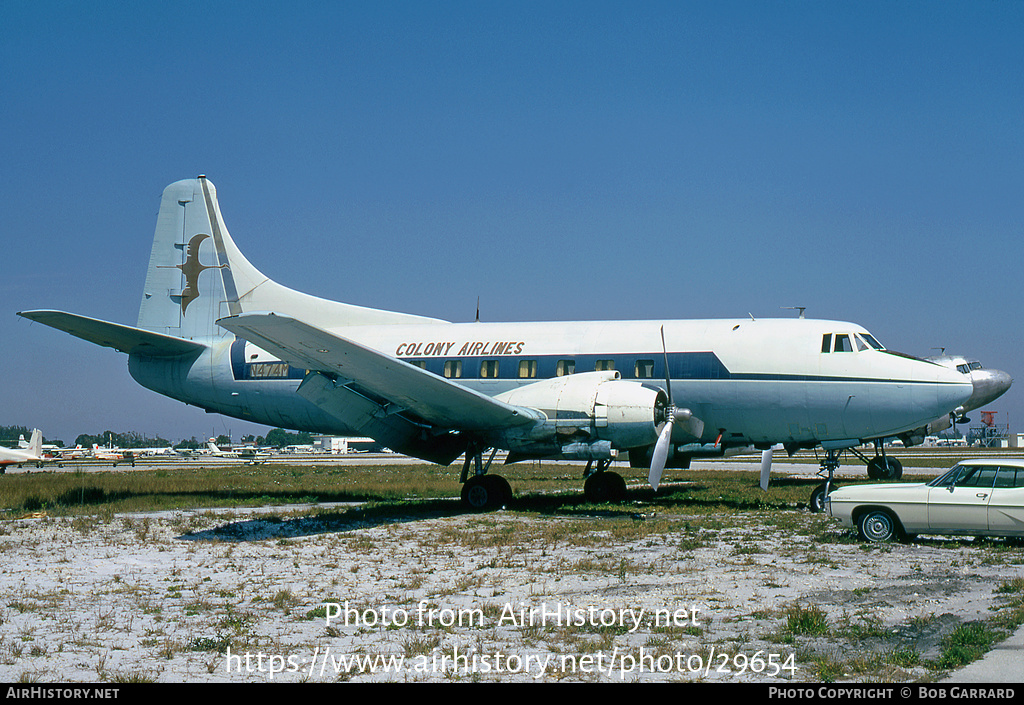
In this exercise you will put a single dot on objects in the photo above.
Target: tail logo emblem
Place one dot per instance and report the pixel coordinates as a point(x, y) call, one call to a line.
point(192, 268)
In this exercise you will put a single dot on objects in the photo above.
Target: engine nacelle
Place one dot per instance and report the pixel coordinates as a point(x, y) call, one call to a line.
point(587, 408)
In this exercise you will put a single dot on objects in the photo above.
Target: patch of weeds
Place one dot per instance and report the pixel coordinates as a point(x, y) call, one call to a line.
point(967, 643)
point(420, 645)
point(219, 644)
point(133, 677)
point(904, 657)
point(284, 600)
point(806, 621)
point(828, 669)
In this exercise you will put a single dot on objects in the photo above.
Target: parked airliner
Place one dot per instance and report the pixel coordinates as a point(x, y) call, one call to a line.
point(31, 453)
point(213, 331)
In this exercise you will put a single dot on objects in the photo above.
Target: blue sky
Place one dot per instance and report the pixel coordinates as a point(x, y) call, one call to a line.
point(558, 160)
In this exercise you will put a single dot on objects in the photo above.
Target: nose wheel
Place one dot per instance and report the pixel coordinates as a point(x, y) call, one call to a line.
point(828, 467)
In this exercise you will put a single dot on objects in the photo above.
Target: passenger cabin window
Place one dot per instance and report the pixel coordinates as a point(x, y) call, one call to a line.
point(527, 369)
point(565, 367)
point(453, 369)
point(489, 369)
point(644, 369)
point(604, 365)
point(422, 364)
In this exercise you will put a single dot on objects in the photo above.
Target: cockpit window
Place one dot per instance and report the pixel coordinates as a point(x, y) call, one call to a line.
point(963, 369)
point(975, 365)
point(845, 342)
point(871, 341)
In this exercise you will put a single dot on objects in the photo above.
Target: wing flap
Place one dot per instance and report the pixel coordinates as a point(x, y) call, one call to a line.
point(126, 339)
point(434, 399)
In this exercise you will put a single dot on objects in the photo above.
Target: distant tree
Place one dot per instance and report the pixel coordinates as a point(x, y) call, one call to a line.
point(11, 433)
point(131, 439)
point(223, 440)
point(190, 444)
point(280, 438)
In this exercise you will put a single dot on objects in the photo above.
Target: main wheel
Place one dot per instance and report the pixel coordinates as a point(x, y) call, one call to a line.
point(604, 487)
point(877, 526)
point(483, 493)
point(880, 468)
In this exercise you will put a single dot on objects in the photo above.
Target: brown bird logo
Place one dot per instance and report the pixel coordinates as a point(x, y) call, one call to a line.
point(192, 268)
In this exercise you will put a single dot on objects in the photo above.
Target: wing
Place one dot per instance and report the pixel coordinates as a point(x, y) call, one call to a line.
point(434, 399)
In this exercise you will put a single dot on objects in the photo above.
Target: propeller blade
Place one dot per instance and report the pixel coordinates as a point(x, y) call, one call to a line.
point(690, 423)
point(660, 456)
point(766, 467)
point(668, 381)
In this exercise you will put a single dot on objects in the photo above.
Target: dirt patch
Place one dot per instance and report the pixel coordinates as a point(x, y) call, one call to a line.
point(436, 595)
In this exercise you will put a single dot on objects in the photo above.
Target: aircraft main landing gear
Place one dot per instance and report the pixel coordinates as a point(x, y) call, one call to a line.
point(601, 485)
point(483, 492)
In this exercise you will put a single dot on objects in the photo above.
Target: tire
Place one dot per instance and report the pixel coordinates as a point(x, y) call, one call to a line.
point(604, 487)
point(484, 493)
point(817, 505)
point(503, 491)
point(880, 468)
point(877, 526)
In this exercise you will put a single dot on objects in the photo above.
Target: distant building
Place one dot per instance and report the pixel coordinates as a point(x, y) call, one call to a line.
point(341, 445)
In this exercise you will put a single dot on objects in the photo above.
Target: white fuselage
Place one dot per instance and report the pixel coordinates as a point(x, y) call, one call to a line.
point(750, 381)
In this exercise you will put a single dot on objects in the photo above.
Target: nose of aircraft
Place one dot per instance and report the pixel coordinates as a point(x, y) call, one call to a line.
point(989, 385)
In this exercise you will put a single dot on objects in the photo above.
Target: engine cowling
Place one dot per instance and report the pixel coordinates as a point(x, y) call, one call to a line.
point(587, 412)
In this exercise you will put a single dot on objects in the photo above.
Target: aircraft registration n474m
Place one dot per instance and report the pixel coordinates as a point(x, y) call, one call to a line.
point(215, 332)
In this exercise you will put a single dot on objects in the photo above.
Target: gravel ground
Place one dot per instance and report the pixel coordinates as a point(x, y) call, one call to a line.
point(280, 595)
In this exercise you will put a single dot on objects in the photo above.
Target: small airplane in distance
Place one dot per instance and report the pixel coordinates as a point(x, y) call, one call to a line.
point(30, 454)
point(100, 453)
point(215, 332)
point(251, 454)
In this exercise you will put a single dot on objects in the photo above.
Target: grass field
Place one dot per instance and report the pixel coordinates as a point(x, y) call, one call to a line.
point(538, 486)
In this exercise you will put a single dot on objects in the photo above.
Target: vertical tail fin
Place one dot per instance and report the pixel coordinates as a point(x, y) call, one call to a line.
point(197, 275)
point(35, 445)
point(192, 274)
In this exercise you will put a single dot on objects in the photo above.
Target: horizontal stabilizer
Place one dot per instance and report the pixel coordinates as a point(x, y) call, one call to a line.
point(126, 339)
point(432, 398)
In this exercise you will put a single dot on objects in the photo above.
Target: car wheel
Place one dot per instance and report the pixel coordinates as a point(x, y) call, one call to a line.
point(877, 526)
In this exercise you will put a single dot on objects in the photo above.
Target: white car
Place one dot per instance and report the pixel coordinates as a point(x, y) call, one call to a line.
point(980, 497)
